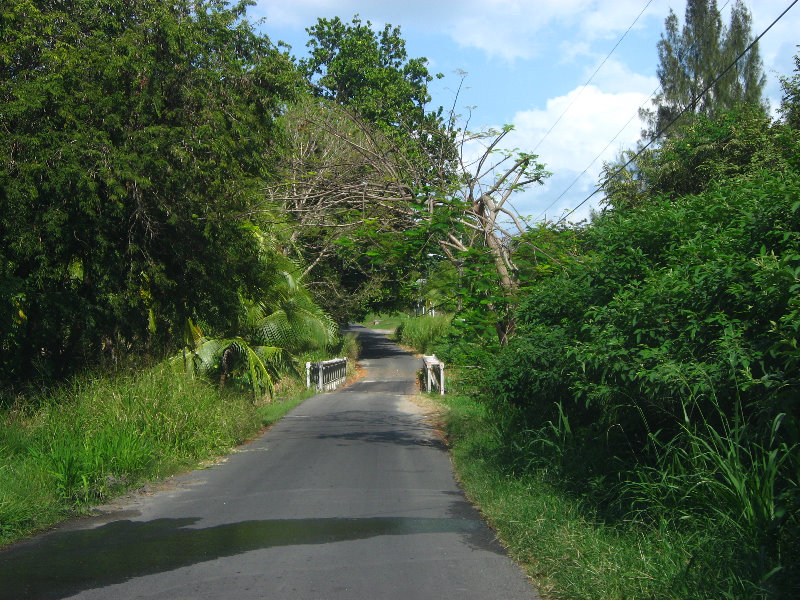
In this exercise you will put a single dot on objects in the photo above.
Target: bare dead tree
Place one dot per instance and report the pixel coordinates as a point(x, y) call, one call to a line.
point(487, 185)
point(345, 182)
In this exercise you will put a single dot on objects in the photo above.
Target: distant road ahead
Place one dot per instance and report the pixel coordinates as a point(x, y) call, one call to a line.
point(351, 495)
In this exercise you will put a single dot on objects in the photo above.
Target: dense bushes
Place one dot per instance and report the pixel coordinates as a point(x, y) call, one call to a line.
point(676, 303)
point(658, 374)
point(135, 136)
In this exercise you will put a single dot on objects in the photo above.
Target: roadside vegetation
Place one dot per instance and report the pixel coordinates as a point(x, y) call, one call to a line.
point(92, 438)
point(567, 548)
point(189, 214)
point(639, 436)
point(156, 314)
point(389, 321)
point(86, 440)
point(420, 333)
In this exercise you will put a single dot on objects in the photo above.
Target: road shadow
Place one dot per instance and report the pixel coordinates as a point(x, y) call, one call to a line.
point(64, 563)
point(378, 428)
point(375, 345)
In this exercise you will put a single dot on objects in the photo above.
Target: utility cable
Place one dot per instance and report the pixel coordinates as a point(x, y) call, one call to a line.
point(588, 81)
point(599, 154)
point(641, 106)
point(694, 100)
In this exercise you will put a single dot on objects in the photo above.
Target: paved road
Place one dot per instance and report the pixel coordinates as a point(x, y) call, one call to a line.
point(351, 495)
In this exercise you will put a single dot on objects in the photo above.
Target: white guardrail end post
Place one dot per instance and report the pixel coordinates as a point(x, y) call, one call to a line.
point(434, 373)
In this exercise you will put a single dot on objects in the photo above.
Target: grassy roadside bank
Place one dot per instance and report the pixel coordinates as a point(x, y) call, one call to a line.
point(86, 440)
point(93, 439)
point(567, 552)
point(707, 510)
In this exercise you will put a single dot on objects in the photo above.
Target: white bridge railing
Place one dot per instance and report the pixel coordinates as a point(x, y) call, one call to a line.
point(326, 375)
point(433, 373)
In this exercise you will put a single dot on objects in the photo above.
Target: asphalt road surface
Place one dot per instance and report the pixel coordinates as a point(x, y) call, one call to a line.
point(351, 495)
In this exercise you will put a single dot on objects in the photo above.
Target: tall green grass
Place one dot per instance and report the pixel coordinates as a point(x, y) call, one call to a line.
point(739, 491)
point(712, 512)
point(560, 541)
point(421, 333)
point(96, 437)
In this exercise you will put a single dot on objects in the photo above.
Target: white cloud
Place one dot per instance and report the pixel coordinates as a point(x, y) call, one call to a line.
point(582, 140)
point(604, 18)
point(512, 29)
point(616, 77)
point(509, 29)
point(593, 119)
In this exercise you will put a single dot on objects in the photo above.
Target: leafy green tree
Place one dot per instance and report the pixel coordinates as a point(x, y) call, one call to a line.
point(790, 103)
point(368, 71)
point(693, 56)
point(371, 74)
point(135, 135)
point(706, 150)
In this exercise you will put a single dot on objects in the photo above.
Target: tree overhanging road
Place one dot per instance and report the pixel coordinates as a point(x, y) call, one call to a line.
point(351, 495)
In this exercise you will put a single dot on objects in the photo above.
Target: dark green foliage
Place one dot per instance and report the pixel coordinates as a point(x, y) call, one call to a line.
point(135, 134)
point(267, 335)
point(708, 150)
point(657, 372)
point(370, 72)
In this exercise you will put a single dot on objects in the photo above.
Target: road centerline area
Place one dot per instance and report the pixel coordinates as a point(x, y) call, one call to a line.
point(350, 496)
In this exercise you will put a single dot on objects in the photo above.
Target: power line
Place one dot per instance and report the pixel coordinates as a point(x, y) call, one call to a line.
point(693, 101)
point(599, 154)
point(638, 112)
point(588, 81)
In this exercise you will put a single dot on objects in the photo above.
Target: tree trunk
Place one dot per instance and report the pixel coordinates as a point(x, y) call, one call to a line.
point(506, 328)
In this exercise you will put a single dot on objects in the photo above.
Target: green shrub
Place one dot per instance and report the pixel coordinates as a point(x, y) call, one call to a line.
point(421, 333)
point(656, 377)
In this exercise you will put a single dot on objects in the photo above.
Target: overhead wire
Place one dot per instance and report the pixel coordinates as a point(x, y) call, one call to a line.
point(641, 106)
point(591, 77)
point(599, 154)
point(659, 133)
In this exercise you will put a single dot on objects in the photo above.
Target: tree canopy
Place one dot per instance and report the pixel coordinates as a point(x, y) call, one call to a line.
point(136, 135)
point(693, 56)
point(368, 71)
point(366, 155)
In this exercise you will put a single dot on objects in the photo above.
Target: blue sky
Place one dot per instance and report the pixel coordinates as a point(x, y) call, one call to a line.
point(527, 62)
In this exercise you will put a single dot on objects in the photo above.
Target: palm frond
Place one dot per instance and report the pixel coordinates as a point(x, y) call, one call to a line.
point(295, 326)
point(258, 373)
point(277, 359)
point(192, 334)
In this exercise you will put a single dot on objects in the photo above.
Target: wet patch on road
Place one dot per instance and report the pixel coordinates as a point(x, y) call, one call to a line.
point(64, 563)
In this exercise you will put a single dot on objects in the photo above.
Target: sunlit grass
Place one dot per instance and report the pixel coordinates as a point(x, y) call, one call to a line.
point(573, 551)
point(98, 437)
point(383, 320)
point(421, 333)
